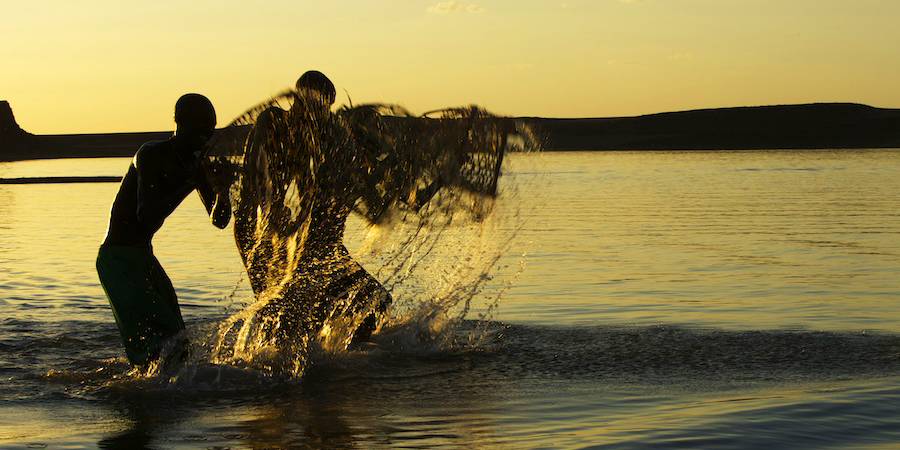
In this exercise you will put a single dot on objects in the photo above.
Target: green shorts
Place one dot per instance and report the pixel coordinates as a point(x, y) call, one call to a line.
point(142, 299)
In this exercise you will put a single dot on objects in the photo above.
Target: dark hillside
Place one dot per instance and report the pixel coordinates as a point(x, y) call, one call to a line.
point(821, 125)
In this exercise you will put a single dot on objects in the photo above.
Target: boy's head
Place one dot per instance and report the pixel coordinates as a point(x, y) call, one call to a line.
point(195, 115)
point(317, 82)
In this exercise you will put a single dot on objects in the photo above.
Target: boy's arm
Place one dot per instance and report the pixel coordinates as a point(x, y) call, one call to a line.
point(216, 203)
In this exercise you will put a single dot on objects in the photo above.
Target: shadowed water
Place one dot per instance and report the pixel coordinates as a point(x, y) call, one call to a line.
point(666, 299)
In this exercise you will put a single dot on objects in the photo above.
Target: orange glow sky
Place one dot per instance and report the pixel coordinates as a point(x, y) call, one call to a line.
point(113, 66)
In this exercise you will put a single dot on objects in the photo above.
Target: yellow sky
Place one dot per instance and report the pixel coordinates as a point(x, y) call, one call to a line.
point(117, 66)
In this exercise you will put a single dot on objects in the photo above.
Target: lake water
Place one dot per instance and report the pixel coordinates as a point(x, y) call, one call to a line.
point(710, 299)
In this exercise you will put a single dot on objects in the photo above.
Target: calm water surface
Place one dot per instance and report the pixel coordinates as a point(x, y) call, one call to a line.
point(665, 299)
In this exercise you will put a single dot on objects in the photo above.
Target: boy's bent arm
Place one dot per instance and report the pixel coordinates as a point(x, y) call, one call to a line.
point(216, 203)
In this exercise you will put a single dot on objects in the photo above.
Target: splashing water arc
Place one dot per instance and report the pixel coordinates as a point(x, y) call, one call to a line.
point(417, 193)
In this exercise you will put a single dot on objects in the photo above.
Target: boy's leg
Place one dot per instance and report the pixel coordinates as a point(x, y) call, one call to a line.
point(142, 298)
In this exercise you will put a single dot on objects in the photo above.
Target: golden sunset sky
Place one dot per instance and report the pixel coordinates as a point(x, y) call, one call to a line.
point(118, 66)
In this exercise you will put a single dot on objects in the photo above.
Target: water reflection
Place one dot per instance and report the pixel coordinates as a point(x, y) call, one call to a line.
point(648, 237)
point(629, 239)
point(619, 237)
point(143, 419)
point(529, 387)
point(332, 407)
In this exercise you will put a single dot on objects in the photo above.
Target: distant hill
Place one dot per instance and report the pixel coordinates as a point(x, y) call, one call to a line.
point(811, 126)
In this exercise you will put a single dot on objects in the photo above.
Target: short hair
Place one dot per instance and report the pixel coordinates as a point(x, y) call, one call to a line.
point(193, 109)
point(317, 81)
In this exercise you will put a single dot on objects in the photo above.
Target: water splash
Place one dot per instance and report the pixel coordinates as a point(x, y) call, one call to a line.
point(419, 195)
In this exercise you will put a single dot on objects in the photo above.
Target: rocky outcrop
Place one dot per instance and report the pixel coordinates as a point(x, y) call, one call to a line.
point(8, 125)
point(14, 141)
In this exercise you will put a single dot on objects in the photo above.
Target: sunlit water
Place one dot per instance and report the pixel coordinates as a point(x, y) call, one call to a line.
point(664, 299)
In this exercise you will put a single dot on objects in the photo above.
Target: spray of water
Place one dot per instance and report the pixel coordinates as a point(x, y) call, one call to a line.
point(429, 230)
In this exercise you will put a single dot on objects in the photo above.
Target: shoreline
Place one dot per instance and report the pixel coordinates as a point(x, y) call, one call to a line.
point(785, 127)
